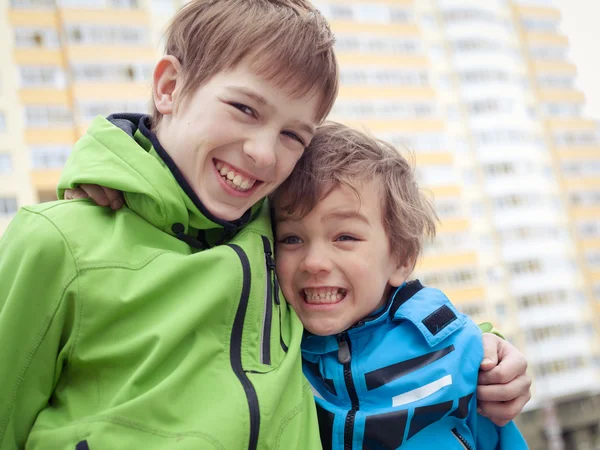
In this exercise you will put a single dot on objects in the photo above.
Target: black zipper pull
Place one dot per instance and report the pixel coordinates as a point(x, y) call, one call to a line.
point(344, 355)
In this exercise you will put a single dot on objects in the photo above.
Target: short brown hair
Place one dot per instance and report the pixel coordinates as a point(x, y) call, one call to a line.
point(286, 41)
point(342, 156)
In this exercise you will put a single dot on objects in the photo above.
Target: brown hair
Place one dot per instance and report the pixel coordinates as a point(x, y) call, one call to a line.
point(286, 41)
point(342, 156)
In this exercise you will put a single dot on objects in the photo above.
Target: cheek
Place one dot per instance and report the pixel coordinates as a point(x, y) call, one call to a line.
point(286, 161)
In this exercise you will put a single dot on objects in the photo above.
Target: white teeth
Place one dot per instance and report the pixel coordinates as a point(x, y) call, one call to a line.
point(324, 296)
point(235, 180)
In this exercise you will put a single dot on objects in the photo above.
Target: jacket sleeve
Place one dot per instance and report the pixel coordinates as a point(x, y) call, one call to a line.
point(492, 437)
point(37, 279)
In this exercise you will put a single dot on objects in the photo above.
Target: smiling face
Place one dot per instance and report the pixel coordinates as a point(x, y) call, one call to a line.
point(236, 138)
point(334, 265)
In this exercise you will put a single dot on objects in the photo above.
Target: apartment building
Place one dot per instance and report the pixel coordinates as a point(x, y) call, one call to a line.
point(479, 93)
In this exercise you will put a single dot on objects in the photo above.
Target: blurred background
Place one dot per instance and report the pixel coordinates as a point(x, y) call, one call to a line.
point(487, 96)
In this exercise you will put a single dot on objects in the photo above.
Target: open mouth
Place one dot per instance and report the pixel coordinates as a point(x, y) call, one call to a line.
point(233, 178)
point(323, 296)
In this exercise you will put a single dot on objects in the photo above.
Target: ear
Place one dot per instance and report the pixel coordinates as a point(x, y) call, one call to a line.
point(167, 75)
point(402, 272)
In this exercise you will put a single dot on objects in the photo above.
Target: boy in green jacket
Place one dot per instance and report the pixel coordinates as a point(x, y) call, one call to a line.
point(156, 326)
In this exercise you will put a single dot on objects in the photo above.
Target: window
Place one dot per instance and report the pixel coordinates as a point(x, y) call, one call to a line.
point(377, 44)
point(417, 142)
point(528, 233)
point(585, 199)
point(589, 228)
point(558, 331)
point(558, 367)
point(32, 3)
point(549, 53)
point(106, 35)
point(454, 278)
point(593, 258)
point(482, 76)
point(47, 116)
point(382, 109)
point(556, 81)
point(49, 157)
point(448, 208)
point(525, 267)
point(2, 122)
point(589, 168)
point(507, 136)
point(110, 73)
point(90, 110)
point(42, 76)
point(549, 298)
point(575, 138)
point(491, 106)
point(368, 12)
point(472, 309)
point(478, 15)
point(563, 109)
point(449, 243)
point(6, 166)
point(596, 291)
point(383, 76)
point(36, 38)
point(8, 206)
point(539, 24)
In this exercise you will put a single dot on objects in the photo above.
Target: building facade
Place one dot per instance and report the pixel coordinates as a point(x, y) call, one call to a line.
point(479, 93)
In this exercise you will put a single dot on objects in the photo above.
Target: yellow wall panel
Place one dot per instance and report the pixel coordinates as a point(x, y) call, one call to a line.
point(579, 183)
point(579, 153)
point(443, 191)
point(34, 56)
point(105, 16)
point(44, 96)
point(401, 126)
point(42, 136)
point(361, 59)
point(562, 95)
point(434, 159)
point(432, 262)
point(539, 11)
point(459, 296)
point(45, 180)
point(595, 276)
point(33, 18)
point(590, 243)
point(540, 37)
point(381, 92)
point(582, 213)
point(125, 91)
point(384, 29)
point(453, 226)
point(579, 124)
point(554, 67)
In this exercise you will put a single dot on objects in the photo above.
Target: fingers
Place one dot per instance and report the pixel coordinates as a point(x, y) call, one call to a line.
point(491, 350)
point(503, 412)
point(115, 198)
point(511, 366)
point(76, 193)
point(505, 392)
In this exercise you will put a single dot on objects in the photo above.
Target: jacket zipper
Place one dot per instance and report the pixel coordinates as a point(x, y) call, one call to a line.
point(278, 303)
point(235, 350)
point(265, 355)
point(345, 358)
point(461, 439)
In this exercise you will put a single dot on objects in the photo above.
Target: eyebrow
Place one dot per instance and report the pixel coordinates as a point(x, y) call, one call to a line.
point(310, 129)
point(347, 215)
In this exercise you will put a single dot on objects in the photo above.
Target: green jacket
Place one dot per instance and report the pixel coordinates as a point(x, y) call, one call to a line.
point(116, 333)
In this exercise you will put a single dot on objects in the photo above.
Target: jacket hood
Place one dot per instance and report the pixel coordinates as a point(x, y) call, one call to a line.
point(121, 152)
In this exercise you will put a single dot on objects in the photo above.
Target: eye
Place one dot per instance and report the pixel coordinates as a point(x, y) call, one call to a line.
point(295, 137)
point(245, 109)
point(345, 238)
point(290, 240)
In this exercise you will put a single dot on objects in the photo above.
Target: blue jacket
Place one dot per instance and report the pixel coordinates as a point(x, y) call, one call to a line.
point(404, 377)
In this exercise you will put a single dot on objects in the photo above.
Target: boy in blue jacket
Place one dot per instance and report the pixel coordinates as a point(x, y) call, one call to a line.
point(392, 363)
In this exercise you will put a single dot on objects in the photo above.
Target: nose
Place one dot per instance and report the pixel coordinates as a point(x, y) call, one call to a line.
point(261, 148)
point(316, 261)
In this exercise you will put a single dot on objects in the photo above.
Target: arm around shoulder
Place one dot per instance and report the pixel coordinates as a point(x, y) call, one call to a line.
point(38, 280)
